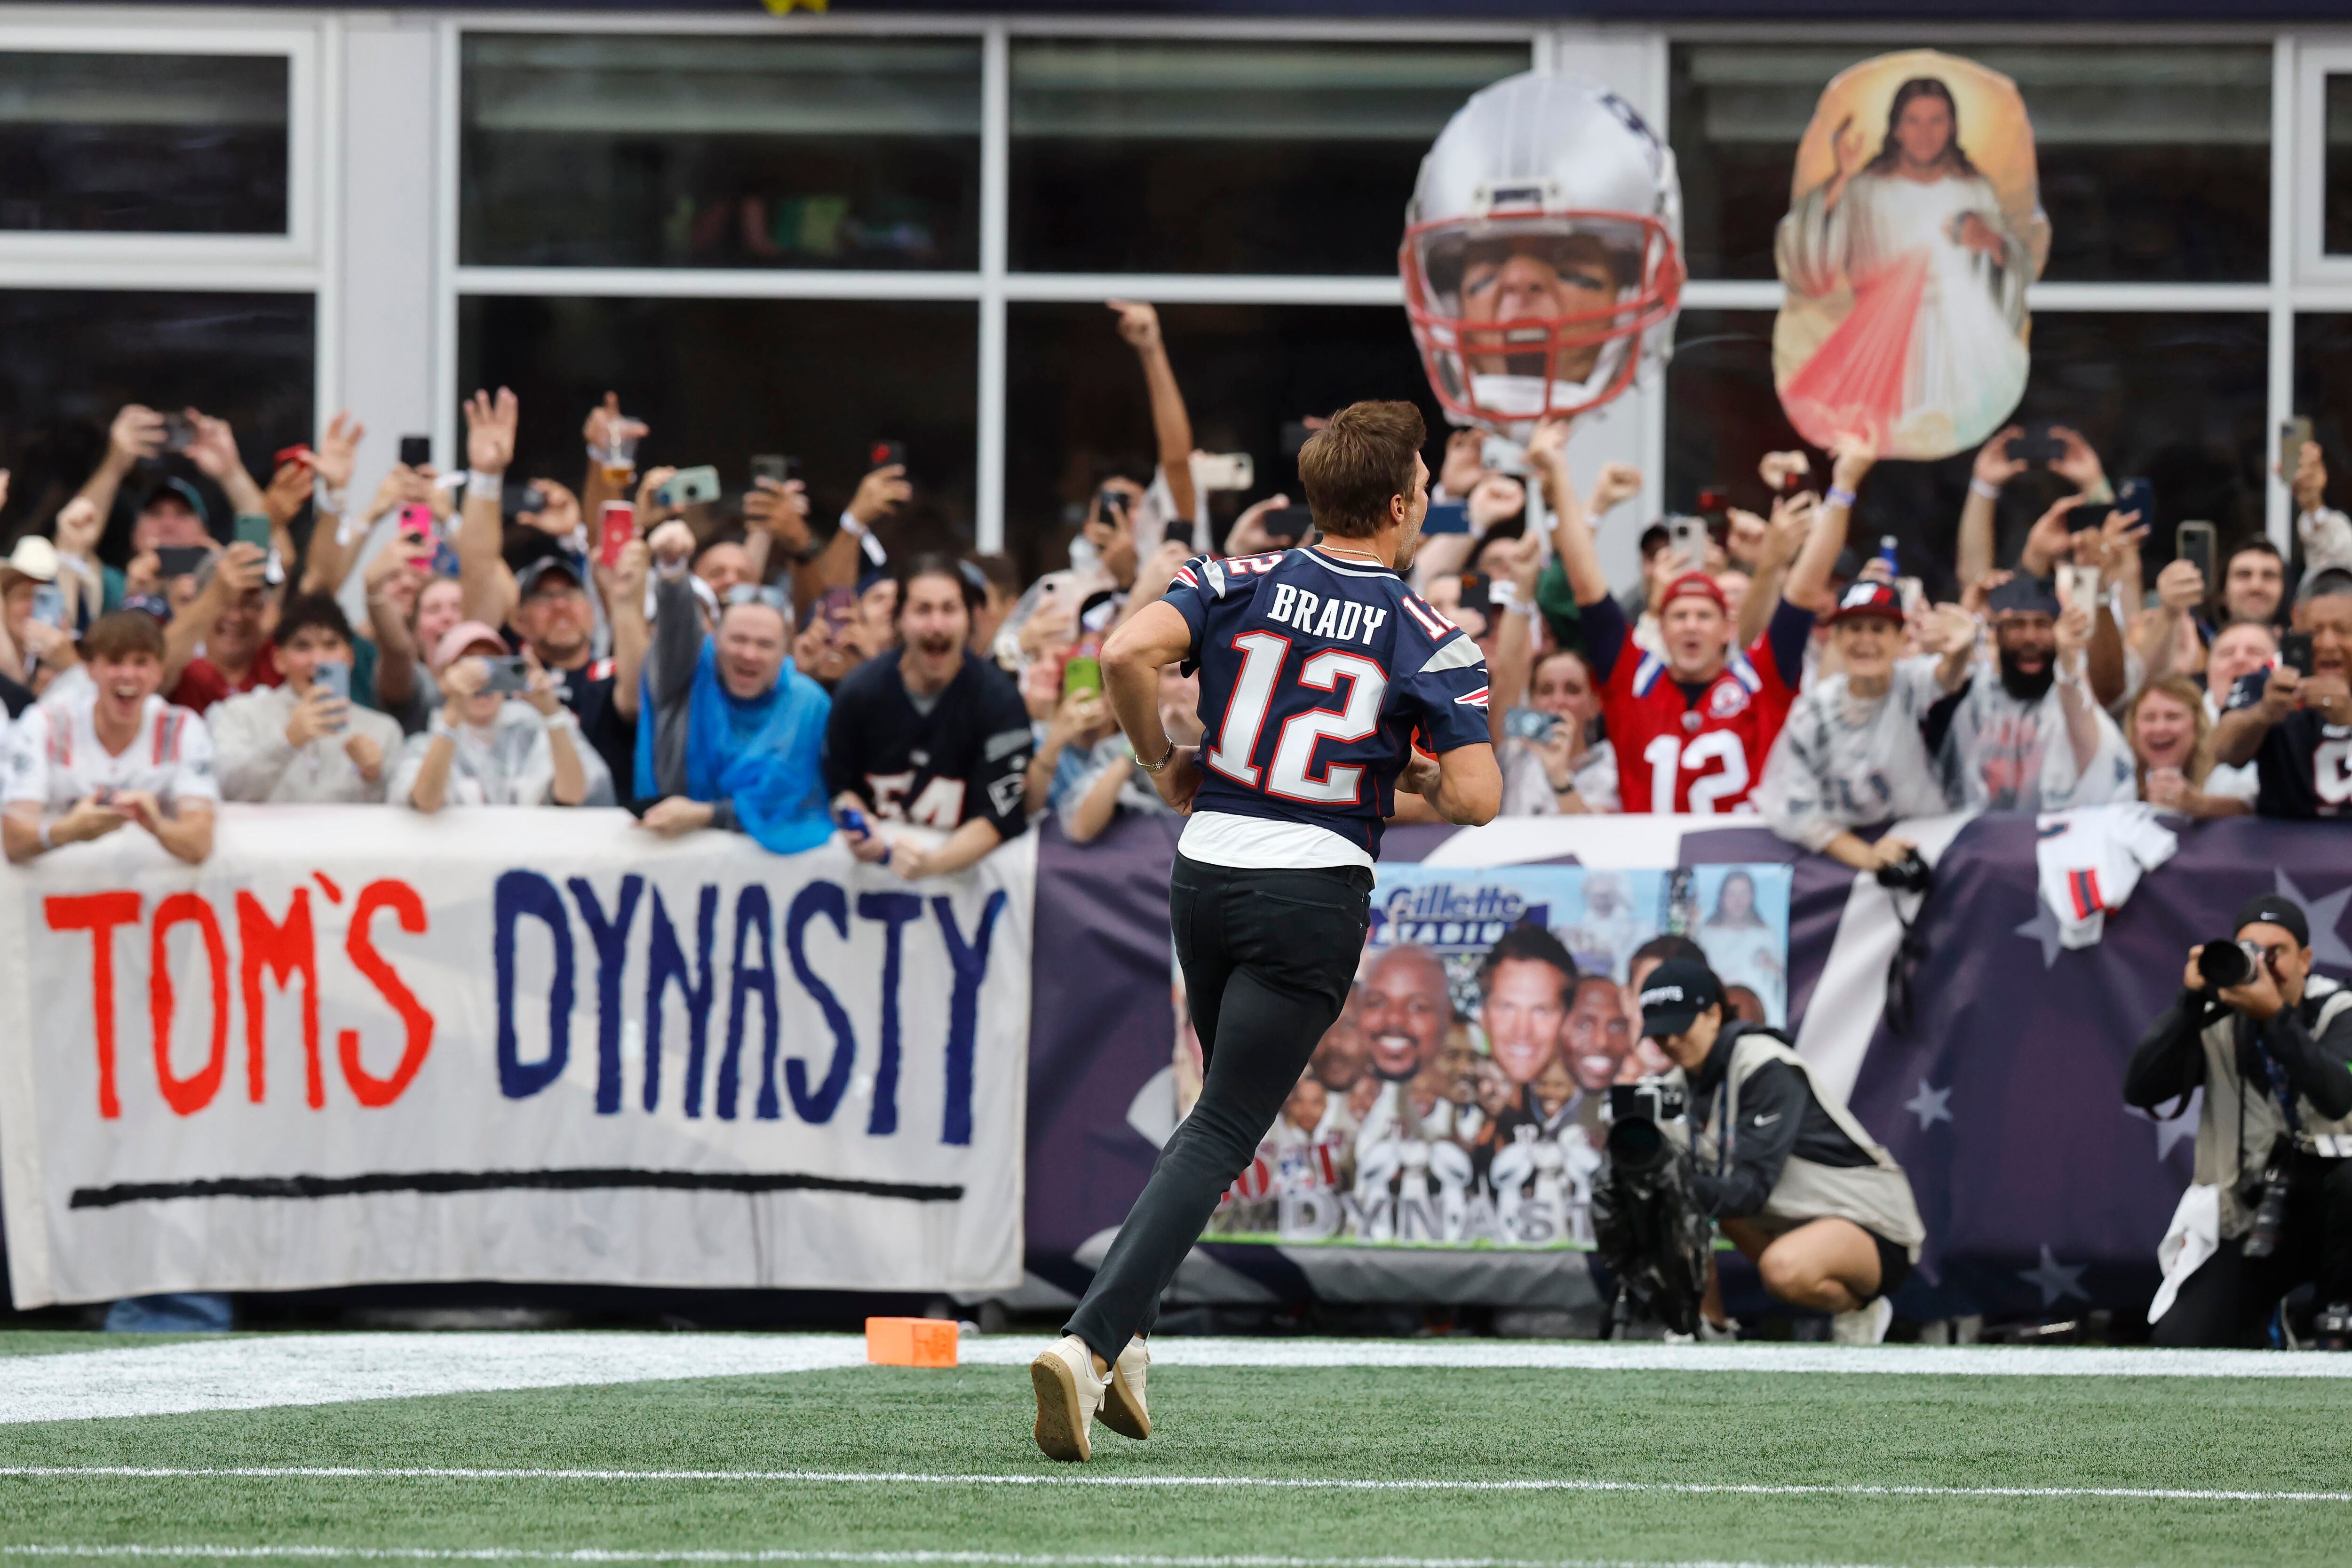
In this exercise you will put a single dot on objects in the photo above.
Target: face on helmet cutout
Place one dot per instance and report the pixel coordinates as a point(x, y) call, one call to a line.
point(1540, 260)
point(1524, 318)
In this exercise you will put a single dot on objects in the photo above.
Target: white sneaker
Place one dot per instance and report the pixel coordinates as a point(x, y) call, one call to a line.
point(1068, 1395)
point(1865, 1325)
point(1123, 1410)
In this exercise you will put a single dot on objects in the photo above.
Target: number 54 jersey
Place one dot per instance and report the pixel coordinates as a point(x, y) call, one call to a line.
point(1317, 674)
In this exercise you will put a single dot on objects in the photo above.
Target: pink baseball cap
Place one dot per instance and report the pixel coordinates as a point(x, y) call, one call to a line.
point(461, 638)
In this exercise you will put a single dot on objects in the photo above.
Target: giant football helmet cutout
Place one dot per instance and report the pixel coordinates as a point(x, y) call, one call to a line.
point(1542, 255)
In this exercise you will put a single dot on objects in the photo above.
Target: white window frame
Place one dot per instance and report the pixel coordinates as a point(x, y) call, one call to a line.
point(287, 261)
point(992, 286)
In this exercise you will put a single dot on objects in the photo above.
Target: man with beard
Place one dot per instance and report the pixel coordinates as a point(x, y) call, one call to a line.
point(929, 734)
point(2033, 739)
point(2294, 727)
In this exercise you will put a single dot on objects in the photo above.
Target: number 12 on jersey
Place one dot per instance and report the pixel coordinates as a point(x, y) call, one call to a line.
point(1669, 759)
point(1290, 773)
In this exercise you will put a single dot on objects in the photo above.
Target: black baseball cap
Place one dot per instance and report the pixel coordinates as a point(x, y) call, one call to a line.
point(2025, 595)
point(2274, 909)
point(528, 580)
point(1676, 993)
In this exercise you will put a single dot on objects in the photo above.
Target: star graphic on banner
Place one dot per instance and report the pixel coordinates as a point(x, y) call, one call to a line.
point(2042, 928)
point(1929, 1105)
point(2328, 951)
point(2182, 1128)
point(2054, 1279)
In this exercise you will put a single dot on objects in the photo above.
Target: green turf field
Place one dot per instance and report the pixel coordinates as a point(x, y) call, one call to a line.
point(882, 1435)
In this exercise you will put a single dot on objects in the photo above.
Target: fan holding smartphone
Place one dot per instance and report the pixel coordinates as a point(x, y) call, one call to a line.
point(2291, 720)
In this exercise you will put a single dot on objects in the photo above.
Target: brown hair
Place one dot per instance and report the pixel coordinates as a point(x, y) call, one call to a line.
point(123, 635)
point(2183, 690)
point(1357, 463)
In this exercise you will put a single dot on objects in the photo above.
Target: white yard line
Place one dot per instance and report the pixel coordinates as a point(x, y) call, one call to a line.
point(1072, 1477)
point(878, 1559)
point(265, 1370)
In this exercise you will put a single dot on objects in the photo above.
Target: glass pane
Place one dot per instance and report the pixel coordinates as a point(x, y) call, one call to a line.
point(2178, 398)
point(1077, 412)
point(75, 357)
point(144, 144)
point(1232, 156)
point(733, 152)
point(2337, 234)
point(718, 380)
point(2155, 161)
point(2323, 383)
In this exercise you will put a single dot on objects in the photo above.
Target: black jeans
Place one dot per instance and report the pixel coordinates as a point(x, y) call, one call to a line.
point(1268, 957)
point(2228, 1302)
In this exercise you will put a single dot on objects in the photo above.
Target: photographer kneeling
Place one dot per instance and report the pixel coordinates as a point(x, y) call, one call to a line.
point(1789, 1176)
point(2269, 1042)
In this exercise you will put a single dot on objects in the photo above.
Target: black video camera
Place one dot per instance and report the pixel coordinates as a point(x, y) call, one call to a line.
point(1646, 1226)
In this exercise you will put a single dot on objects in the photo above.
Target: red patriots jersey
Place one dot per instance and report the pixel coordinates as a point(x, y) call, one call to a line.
point(1701, 757)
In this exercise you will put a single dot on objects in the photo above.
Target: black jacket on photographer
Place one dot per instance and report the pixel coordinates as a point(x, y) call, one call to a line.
point(2287, 1077)
point(1768, 1146)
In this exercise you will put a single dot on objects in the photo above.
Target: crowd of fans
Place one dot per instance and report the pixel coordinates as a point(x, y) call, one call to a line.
point(481, 637)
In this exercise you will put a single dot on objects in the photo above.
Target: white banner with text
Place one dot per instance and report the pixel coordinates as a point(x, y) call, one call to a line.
point(363, 1046)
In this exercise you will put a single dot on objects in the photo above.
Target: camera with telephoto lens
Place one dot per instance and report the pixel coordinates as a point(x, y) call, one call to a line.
point(2223, 965)
point(1911, 874)
point(1646, 1226)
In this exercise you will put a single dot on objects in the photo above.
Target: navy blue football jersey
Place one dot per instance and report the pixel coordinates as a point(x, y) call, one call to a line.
point(1316, 675)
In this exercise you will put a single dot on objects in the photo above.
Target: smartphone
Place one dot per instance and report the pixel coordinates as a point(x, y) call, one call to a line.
point(2139, 495)
point(50, 605)
point(688, 487)
point(179, 434)
point(1447, 517)
point(853, 822)
point(887, 454)
point(510, 674)
point(253, 528)
point(179, 559)
point(838, 606)
point(1112, 504)
point(1478, 595)
point(2294, 652)
point(1082, 673)
point(2037, 446)
point(774, 466)
point(298, 453)
point(2078, 585)
point(416, 535)
point(1688, 540)
point(335, 677)
point(1530, 724)
point(1293, 436)
point(2091, 514)
point(616, 524)
point(1913, 594)
point(1714, 502)
point(416, 451)
point(1223, 471)
point(1287, 524)
point(2292, 435)
point(2197, 544)
point(519, 498)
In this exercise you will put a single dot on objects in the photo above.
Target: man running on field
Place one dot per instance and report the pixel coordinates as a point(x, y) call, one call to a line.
point(1318, 670)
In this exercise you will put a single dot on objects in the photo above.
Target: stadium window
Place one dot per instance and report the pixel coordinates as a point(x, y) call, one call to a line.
point(2177, 397)
point(144, 144)
point(1076, 410)
point(625, 150)
point(718, 380)
point(2155, 161)
point(2336, 164)
point(76, 356)
point(1231, 155)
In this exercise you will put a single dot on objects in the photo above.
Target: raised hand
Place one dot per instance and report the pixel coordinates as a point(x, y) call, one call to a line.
point(337, 449)
point(1464, 464)
point(1138, 323)
point(2077, 465)
point(490, 430)
point(1994, 466)
point(1617, 483)
point(558, 516)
